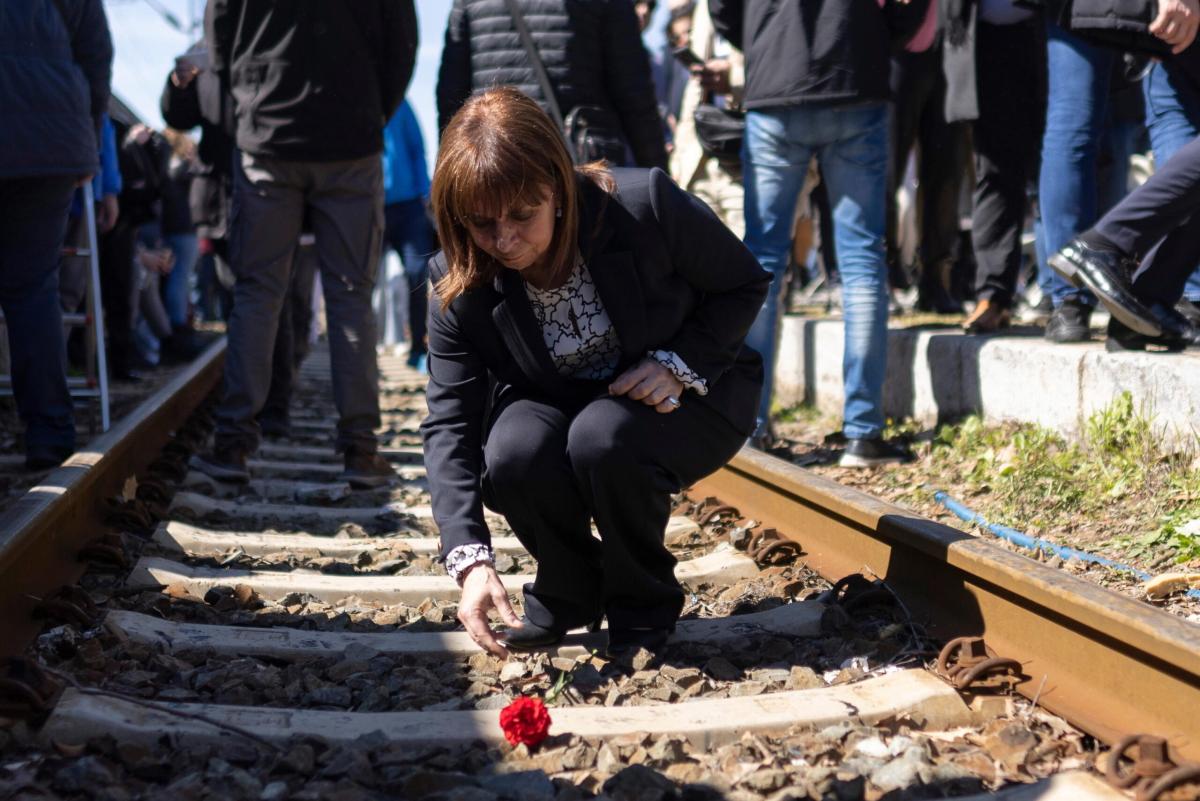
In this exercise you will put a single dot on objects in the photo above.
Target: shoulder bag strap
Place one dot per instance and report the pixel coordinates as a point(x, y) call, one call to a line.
point(535, 60)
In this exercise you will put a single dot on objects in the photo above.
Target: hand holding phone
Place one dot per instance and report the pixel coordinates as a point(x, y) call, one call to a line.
point(687, 58)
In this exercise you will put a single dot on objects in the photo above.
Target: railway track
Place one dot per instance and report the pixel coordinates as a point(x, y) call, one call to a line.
point(294, 639)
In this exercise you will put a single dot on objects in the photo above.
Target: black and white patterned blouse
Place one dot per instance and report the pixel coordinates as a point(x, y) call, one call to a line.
point(582, 344)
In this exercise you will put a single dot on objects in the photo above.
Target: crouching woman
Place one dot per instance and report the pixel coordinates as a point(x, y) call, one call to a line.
point(585, 362)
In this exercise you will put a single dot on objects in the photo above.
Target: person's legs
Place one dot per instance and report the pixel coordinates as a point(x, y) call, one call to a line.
point(300, 297)
point(346, 202)
point(775, 164)
point(1007, 139)
point(33, 216)
point(721, 189)
point(1078, 95)
point(178, 283)
point(411, 236)
point(854, 164)
point(627, 460)
point(1172, 120)
point(528, 479)
point(911, 80)
point(118, 290)
point(268, 204)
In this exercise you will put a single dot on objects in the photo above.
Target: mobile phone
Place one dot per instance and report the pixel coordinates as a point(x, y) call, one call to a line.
point(685, 56)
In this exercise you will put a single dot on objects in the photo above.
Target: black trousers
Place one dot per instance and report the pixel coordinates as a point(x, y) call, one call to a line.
point(1008, 139)
point(1159, 222)
point(919, 117)
point(118, 292)
point(551, 471)
point(291, 336)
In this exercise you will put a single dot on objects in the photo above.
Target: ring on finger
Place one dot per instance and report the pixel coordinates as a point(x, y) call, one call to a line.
point(673, 401)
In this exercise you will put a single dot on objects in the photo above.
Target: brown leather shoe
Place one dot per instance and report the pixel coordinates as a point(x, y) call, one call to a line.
point(366, 470)
point(987, 318)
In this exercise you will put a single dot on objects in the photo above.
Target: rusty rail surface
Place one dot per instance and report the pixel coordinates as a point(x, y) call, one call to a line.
point(41, 535)
point(1109, 664)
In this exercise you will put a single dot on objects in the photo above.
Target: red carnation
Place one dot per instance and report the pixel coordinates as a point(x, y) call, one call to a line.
point(525, 720)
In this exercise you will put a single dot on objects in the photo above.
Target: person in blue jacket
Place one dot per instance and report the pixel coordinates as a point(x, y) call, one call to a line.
point(407, 228)
point(55, 67)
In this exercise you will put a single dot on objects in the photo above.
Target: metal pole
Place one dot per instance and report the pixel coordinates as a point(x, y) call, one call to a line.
point(89, 211)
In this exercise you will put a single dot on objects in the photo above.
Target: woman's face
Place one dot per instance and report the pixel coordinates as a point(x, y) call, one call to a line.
point(520, 236)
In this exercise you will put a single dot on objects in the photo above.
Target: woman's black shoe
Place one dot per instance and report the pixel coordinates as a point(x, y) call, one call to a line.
point(531, 636)
point(626, 642)
point(1122, 338)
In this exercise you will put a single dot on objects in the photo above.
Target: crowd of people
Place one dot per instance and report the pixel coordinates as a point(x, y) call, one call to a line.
point(617, 225)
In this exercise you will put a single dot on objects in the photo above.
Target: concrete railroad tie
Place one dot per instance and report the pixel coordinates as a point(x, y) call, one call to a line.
point(724, 566)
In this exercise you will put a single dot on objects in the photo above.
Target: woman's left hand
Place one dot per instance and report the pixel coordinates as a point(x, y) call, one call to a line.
point(651, 383)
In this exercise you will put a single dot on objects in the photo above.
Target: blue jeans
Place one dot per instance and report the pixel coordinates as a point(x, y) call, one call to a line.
point(851, 145)
point(1173, 119)
point(407, 230)
point(177, 285)
point(1075, 113)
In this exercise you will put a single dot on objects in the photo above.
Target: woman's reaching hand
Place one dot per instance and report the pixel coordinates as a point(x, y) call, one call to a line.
point(651, 383)
point(481, 591)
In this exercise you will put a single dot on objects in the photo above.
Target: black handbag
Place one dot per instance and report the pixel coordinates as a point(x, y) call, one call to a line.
point(1120, 24)
point(720, 132)
point(590, 132)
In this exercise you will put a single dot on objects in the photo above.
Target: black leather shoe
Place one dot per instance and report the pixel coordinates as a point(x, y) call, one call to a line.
point(531, 636)
point(862, 452)
point(1070, 322)
point(1108, 273)
point(627, 642)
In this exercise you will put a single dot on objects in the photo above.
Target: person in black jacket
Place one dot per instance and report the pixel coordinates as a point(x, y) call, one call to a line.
point(585, 362)
point(54, 82)
point(817, 86)
point(592, 51)
point(313, 85)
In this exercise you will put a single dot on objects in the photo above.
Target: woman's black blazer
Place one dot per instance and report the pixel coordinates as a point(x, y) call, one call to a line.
point(671, 276)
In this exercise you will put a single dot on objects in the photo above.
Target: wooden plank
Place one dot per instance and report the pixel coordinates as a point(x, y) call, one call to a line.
point(706, 722)
point(723, 566)
point(198, 541)
point(791, 620)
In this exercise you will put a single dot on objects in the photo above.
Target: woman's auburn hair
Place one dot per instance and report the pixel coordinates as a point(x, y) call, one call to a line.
point(498, 151)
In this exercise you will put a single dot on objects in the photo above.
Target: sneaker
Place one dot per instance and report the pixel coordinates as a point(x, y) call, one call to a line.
point(223, 463)
point(366, 470)
point(1070, 322)
point(872, 452)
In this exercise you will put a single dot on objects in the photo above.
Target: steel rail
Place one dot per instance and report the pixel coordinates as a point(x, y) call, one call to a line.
point(1106, 662)
point(42, 533)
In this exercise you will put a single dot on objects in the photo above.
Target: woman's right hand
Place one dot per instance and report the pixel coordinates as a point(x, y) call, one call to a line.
point(481, 591)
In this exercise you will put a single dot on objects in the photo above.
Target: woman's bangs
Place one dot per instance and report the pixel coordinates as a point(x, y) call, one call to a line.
point(491, 183)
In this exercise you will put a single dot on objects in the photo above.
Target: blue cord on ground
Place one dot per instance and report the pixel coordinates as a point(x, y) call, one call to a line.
point(1023, 540)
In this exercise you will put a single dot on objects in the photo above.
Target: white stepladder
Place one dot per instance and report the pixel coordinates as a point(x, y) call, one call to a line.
point(93, 385)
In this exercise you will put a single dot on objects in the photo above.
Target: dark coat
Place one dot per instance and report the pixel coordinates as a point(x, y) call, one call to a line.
point(591, 49)
point(961, 61)
point(203, 103)
point(831, 53)
point(671, 276)
point(54, 78)
point(312, 81)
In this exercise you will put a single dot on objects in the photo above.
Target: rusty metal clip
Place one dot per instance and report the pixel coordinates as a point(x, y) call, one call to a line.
point(25, 689)
point(967, 660)
point(106, 551)
point(69, 604)
point(133, 515)
point(1153, 772)
point(711, 514)
point(768, 547)
point(856, 591)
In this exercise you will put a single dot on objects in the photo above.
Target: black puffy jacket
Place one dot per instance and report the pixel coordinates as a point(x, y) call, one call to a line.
point(592, 51)
point(312, 80)
point(54, 75)
point(835, 52)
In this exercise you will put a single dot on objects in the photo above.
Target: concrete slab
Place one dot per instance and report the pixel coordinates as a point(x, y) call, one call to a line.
point(706, 723)
point(309, 453)
point(287, 489)
point(723, 566)
point(400, 516)
point(198, 541)
point(1073, 786)
point(936, 374)
point(791, 620)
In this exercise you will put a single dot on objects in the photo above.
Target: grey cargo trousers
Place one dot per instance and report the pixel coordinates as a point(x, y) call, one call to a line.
point(344, 201)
